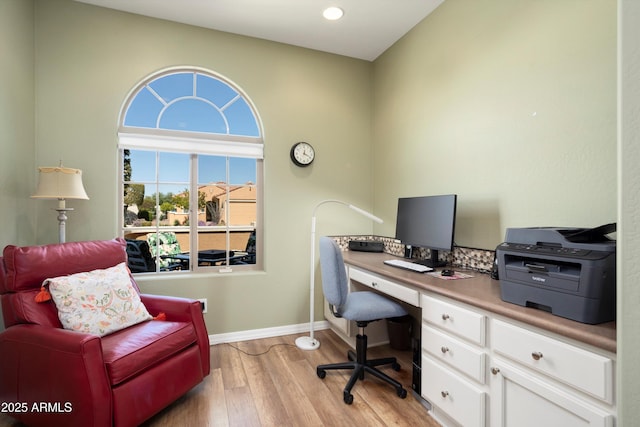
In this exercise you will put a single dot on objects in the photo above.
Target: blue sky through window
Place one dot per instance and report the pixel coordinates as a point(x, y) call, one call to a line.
point(190, 102)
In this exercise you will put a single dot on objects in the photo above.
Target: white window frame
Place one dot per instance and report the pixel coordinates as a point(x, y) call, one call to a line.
point(194, 144)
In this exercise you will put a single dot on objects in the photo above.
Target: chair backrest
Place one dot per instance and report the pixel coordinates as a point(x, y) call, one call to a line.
point(23, 269)
point(163, 243)
point(251, 248)
point(334, 275)
point(139, 256)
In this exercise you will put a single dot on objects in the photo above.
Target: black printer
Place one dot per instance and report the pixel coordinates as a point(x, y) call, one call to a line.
point(570, 272)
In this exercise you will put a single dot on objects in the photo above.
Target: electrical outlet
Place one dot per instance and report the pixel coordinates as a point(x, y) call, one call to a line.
point(203, 304)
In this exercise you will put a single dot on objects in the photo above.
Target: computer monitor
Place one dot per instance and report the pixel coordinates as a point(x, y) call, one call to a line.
point(427, 222)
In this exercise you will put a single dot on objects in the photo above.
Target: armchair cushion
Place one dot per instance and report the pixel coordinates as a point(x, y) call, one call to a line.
point(98, 302)
point(133, 350)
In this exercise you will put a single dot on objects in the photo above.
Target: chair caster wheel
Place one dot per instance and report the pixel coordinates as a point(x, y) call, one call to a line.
point(402, 393)
point(321, 373)
point(348, 398)
point(395, 366)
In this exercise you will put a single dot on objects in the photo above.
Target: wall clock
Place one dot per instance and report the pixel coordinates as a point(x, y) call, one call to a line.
point(302, 154)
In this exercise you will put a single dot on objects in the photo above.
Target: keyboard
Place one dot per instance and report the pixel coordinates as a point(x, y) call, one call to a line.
point(407, 265)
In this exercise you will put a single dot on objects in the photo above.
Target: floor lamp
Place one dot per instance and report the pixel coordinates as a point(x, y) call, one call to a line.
point(310, 343)
point(60, 183)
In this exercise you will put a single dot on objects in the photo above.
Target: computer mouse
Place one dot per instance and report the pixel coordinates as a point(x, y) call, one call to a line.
point(447, 272)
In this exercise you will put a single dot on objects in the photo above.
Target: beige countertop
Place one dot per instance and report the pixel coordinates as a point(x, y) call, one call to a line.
point(483, 292)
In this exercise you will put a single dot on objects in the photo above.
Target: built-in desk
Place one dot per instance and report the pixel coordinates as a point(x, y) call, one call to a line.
point(483, 292)
point(486, 362)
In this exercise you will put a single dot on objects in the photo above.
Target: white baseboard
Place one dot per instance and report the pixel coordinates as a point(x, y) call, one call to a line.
point(254, 334)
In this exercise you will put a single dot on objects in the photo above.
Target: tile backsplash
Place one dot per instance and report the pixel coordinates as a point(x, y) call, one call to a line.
point(475, 259)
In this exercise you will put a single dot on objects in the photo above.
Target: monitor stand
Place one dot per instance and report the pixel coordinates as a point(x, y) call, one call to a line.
point(432, 262)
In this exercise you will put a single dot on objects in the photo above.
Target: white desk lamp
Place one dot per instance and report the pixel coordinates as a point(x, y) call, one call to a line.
point(60, 183)
point(310, 343)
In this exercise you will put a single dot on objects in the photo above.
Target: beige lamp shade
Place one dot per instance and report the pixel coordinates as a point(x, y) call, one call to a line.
point(60, 183)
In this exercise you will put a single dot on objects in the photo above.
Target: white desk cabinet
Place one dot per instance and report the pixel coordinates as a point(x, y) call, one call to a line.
point(454, 361)
point(484, 369)
point(532, 377)
point(547, 381)
point(521, 398)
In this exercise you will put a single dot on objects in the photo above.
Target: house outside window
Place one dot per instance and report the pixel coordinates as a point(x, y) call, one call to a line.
point(191, 156)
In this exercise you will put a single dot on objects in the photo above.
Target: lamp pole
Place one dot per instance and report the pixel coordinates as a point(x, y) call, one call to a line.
point(62, 220)
point(310, 342)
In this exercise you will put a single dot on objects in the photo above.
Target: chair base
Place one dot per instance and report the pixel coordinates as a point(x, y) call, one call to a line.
point(360, 365)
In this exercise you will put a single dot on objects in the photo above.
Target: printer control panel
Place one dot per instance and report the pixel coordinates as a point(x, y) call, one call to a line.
point(546, 250)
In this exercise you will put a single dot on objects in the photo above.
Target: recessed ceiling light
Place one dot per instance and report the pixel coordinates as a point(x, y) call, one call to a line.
point(333, 13)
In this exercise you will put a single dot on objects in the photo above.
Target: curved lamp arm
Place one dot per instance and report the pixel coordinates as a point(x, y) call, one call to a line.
point(310, 343)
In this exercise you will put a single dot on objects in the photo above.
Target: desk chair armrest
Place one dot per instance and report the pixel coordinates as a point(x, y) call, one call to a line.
point(334, 311)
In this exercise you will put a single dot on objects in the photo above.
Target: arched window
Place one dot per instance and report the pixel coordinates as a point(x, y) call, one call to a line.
point(191, 151)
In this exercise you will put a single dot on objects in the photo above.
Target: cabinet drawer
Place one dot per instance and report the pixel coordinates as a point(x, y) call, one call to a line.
point(460, 399)
point(567, 363)
point(401, 292)
point(456, 319)
point(463, 357)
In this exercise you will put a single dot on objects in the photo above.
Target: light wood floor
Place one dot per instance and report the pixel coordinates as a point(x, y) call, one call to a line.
point(280, 388)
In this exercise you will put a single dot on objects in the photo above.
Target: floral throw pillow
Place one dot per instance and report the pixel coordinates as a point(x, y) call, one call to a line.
point(98, 302)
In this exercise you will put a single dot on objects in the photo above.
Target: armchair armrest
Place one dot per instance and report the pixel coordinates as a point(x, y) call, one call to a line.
point(43, 365)
point(176, 308)
point(182, 310)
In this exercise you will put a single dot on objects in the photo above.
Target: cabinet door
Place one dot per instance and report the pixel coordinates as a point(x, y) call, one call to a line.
point(520, 399)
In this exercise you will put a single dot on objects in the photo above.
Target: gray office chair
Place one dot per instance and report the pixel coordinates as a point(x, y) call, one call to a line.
point(362, 307)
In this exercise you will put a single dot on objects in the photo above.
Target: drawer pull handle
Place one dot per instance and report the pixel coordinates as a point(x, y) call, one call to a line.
point(444, 393)
point(445, 317)
point(495, 371)
point(536, 355)
point(444, 349)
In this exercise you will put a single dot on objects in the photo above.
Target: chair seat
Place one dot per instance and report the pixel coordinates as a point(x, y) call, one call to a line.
point(366, 306)
point(137, 348)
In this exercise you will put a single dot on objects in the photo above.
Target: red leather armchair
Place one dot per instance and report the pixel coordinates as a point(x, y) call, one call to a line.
point(52, 376)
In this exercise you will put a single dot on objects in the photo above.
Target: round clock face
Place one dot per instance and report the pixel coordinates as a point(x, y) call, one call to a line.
point(302, 153)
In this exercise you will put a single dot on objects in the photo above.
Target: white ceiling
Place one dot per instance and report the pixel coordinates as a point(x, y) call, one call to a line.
point(366, 30)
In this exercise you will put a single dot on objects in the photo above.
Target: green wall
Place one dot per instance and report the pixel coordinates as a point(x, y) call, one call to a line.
point(509, 104)
point(89, 58)
point(17, 115)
